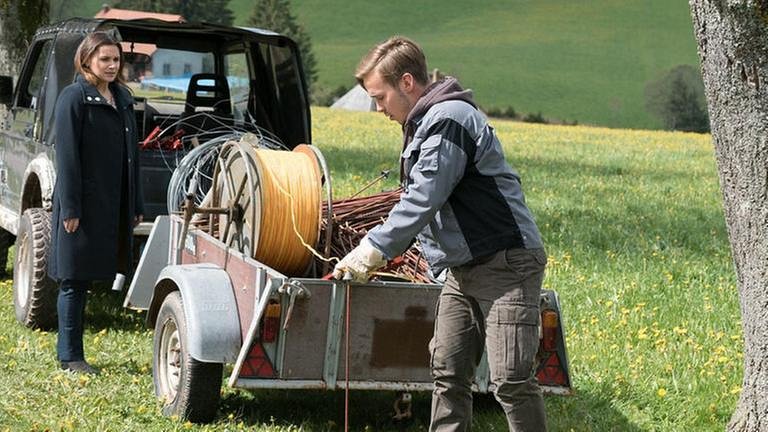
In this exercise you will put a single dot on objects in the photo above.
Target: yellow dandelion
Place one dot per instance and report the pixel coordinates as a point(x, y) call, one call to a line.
point(661, 392)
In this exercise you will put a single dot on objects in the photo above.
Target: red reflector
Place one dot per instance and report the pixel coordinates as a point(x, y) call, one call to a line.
point(257, 363)
point(551, 372)
point(271, 322)
point(549, 324)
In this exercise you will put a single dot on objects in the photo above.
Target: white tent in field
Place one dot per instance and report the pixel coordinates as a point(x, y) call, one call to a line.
point(356, 99)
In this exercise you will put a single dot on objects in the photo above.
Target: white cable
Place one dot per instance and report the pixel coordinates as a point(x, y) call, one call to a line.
point(198, 163)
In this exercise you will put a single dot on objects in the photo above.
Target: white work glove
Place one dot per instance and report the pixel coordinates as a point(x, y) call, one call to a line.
point(360, 262)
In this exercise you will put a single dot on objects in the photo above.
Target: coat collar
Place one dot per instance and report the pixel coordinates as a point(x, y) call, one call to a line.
point(92, 96)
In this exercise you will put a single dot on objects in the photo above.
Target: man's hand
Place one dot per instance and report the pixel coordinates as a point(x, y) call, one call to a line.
point(360, 262)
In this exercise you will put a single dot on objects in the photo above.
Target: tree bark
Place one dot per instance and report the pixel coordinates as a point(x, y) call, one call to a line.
point(5, 58)
point(732, 40)
point(5, 53)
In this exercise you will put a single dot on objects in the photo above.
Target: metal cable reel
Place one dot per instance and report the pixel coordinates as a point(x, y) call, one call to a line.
point(273, 200)
point(235, 186)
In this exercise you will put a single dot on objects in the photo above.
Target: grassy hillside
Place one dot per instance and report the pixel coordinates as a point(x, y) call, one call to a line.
point(638, 252)
point(583, 61)
point(573, 61)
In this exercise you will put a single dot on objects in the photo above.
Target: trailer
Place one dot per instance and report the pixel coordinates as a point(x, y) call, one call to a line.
point(211, 305)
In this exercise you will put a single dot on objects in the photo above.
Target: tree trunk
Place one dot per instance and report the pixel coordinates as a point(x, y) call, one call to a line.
point(5, 58)
point(732, 40)
point(5, 54)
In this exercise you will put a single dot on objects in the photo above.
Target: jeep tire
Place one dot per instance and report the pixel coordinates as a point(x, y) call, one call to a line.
point(34, 293)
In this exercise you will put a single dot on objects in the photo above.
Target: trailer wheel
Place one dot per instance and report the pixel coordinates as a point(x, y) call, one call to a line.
point(189, 388)
point(34, 293)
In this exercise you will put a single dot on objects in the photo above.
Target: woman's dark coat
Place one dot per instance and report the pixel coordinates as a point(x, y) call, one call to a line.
point(97, 181)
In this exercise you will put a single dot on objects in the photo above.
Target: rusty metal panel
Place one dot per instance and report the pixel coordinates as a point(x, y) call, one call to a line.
point(203, 248)
point(390, 329)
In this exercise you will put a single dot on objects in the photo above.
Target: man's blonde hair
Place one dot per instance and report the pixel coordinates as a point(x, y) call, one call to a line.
point(391, 59)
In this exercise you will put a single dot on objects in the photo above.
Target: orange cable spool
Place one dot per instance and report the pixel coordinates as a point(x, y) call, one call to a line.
point(279, 195)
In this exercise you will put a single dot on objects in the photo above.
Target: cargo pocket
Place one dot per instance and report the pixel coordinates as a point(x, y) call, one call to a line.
point(513, 338)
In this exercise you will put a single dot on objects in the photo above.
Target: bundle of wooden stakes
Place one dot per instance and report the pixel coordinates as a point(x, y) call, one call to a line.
point(352, 218)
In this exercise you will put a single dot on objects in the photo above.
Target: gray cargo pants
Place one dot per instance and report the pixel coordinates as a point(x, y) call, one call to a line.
point(493, 303)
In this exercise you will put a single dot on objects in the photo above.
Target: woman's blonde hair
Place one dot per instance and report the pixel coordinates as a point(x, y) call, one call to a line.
point(391, 59)
point(88, 48)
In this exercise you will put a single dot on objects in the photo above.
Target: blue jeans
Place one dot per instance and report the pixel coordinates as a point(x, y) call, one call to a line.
point(71, 309)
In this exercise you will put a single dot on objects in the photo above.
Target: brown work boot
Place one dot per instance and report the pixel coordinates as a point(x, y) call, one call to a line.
point(80, 366)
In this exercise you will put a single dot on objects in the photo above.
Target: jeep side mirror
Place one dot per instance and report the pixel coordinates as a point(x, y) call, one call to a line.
point(6, 90)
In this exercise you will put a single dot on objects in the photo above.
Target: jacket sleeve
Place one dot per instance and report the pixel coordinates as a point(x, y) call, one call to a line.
point(68, 126)
point(438, 169)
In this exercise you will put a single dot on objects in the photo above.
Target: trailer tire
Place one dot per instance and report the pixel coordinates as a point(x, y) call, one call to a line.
point(34, 293)
point(189, 388)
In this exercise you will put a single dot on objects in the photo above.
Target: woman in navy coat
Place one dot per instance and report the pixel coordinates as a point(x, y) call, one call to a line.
point(97, 199)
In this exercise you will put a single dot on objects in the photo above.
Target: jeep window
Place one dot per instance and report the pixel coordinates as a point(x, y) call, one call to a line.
point(289, 116)
point(236, 69)
point(31, 90)
point(157, 73)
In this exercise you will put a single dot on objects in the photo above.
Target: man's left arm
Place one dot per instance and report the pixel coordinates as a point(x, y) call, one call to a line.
point(439, 167)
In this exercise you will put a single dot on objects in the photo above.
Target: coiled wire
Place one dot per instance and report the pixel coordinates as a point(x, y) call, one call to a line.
point(198, 163)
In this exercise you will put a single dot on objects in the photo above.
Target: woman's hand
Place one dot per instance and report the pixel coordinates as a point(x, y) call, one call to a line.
point(137, 219)
point(70, 225)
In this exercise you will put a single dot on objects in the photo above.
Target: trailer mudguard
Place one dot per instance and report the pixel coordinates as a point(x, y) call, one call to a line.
point(154, 258)
point(213, 325)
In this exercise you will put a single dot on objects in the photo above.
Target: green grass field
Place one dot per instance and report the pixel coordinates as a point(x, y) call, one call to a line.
point(582, 61)
point(638, 253)
point(572, 61)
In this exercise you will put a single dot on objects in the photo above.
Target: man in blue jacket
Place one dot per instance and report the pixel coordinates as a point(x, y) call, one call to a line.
point(464, 204)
